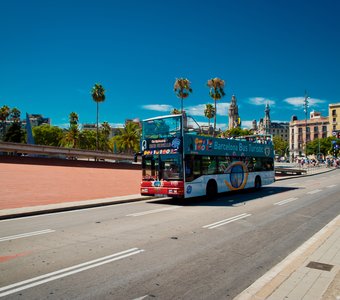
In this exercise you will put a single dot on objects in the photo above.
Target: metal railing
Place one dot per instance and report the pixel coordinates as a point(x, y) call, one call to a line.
point(51, 151)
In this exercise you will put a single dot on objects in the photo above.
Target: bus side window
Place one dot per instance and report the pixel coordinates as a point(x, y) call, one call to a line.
point(189, 168)
point(197, 167)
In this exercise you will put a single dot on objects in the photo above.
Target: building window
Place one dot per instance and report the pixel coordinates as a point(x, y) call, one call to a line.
point(316, 136)
point(334, 112)
point(316, 129)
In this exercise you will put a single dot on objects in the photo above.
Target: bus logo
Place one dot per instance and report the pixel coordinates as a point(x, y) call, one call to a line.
point(267, 151)
point(238, 176)
point(189, 189)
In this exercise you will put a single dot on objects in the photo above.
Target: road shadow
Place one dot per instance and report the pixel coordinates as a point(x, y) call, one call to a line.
point(234, 198)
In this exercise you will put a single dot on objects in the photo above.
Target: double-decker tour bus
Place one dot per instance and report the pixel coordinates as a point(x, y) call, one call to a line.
point(179, 162)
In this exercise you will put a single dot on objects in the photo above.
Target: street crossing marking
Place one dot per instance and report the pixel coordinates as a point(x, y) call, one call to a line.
point(152, 211)
point(23, 235)
point(26, 284)
point(330, 186)
point(314, 192)
point(285, 201)
point(226, 221)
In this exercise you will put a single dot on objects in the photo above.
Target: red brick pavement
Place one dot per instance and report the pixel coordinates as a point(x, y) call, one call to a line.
point(25, 184)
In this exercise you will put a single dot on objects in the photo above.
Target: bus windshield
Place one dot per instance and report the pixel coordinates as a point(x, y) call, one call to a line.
point(162, 128)
point(162, 167)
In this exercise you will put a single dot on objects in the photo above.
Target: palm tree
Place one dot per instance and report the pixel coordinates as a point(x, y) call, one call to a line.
point(74, 118)
point(175, 111)
point(129, 138)
point(182, 89)
point(71, 137)
point(216, 93)
point(209, 112)
point(105, 131)
point(98, 95)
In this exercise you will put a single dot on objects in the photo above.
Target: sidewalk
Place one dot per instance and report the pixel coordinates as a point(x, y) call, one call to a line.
point(310, 272)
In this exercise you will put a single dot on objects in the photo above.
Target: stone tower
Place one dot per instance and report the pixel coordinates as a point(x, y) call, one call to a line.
point(234, 118)
point(266, 120)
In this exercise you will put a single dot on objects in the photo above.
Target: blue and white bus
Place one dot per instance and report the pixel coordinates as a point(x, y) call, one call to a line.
point(179, 162)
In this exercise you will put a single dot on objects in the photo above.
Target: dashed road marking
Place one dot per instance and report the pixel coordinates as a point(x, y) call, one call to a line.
point(226, 221)
point(26, 284)
point(314, 192)
point(285, 201)
point(152, 211)
point(23, 235)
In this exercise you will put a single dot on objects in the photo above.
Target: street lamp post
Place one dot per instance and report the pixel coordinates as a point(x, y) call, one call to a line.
point(305, 109)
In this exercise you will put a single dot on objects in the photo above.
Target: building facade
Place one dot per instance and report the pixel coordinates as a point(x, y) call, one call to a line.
point(303, 131)
point(334, 117)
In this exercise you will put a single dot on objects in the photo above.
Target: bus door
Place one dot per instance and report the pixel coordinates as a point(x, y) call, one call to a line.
point(151, 168)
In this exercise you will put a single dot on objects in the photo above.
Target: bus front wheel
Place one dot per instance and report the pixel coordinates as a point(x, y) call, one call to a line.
point(211, 190)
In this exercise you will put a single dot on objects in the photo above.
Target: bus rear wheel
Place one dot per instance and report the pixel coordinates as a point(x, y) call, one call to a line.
point(258, 183)
point(211, 190)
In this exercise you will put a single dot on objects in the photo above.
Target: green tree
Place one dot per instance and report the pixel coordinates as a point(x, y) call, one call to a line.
point(216, 92)
point(47, 135)
point(15, 115)
point(98, 95)
point(128, 139)
point(4, 114)
point(234, 132)
point(280, 145)
point(14, 133)
point(182, 89)
point(209, 112)
point(323, 146)
point(87, 139)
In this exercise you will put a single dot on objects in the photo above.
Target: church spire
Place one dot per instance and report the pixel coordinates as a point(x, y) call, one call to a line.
point(234, 118)
point(266, 120)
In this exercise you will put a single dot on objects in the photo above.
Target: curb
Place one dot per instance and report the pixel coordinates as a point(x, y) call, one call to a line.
point(68, 206)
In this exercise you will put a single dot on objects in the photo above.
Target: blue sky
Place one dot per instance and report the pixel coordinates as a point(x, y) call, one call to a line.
point(52, 53)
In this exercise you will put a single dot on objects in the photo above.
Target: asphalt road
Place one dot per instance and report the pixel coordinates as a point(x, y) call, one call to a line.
point(164, 249)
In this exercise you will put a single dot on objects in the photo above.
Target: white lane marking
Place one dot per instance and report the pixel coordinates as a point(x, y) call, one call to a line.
point(152, 211)
point(330, 186)
point(26, 284)
point(314, 192)
point(23, 235)
point(285, 201)
point(141, 298)
point(226, 221)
